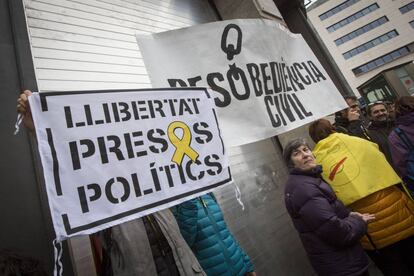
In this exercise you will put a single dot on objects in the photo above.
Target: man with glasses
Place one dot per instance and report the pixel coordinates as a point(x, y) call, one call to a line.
point(380, 126)
point(349, 121)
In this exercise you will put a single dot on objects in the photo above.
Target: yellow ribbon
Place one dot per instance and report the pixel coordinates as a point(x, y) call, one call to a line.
point(182, 146)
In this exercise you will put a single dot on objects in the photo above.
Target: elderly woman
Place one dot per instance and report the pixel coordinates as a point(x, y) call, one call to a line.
point(329, 232)
point(365, 182)
point(400, 150)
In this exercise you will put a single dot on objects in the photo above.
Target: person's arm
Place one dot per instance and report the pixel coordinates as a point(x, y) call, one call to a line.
point(186, 216)
point(320, 217)
point(399, 153)
point(355, 128)
point(23, 108)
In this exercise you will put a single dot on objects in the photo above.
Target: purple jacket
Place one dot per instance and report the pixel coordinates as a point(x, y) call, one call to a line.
point(329, 235)
point(399, 151)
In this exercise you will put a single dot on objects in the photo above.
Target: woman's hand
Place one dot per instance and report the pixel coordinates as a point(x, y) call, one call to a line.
point(368, 217)
point(23, 108)
point(365, 217)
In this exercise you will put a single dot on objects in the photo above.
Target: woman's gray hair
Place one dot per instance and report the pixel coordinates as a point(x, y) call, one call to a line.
point(290, 147)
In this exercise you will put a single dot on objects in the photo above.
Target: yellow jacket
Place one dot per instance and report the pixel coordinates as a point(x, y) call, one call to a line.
point(363, 180)
point(354, 167)
point(394, 220)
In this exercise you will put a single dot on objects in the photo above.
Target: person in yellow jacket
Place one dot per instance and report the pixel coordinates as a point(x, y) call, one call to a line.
point(365, 182)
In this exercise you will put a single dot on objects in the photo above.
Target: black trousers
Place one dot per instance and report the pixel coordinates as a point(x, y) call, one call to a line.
point(395, 259)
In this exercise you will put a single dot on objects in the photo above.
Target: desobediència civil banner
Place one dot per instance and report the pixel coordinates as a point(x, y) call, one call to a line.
point(266, 80)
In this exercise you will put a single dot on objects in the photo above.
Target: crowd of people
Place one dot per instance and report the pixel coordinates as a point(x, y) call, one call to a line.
point(351, 197)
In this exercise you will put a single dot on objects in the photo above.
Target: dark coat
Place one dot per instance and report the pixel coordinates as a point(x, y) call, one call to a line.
point(379, 131)
point(353, 128)
point(329, 235)
point(399, 151)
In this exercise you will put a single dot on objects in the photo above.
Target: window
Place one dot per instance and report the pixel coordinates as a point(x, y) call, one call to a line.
point(381, 60)
point(353, 52)
point(387, 58)
point(362, 30)
point(395, 54)
point(392, 34)
point(371, 65)
point(377, 90)
point(359, 32)
point(370, 44)
point(352, 17)
point(337, 9)
point(382, 20)
point(376, 42)
point(404, 51)
point(375, 24)
point(373, 7)
point(407, 8)
point(405, 79)
point(383, 38)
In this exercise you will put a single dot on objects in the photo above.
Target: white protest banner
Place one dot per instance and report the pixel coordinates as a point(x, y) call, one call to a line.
point(112, 156)
point(266, 79)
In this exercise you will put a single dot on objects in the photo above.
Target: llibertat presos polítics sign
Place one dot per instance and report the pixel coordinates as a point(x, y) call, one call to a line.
point(113, 156)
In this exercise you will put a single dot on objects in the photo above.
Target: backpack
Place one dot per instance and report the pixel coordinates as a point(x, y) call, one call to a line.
point(409, 178)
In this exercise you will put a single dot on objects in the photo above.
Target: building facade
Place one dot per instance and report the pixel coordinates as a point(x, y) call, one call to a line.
point(372, 42)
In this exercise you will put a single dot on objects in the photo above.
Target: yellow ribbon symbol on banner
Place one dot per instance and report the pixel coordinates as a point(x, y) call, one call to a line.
point(182, 146)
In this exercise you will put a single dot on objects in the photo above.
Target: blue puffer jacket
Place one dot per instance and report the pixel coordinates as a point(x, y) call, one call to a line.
point(202, 226)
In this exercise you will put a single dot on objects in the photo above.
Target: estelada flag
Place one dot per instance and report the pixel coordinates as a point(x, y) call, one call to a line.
point(354, 167)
